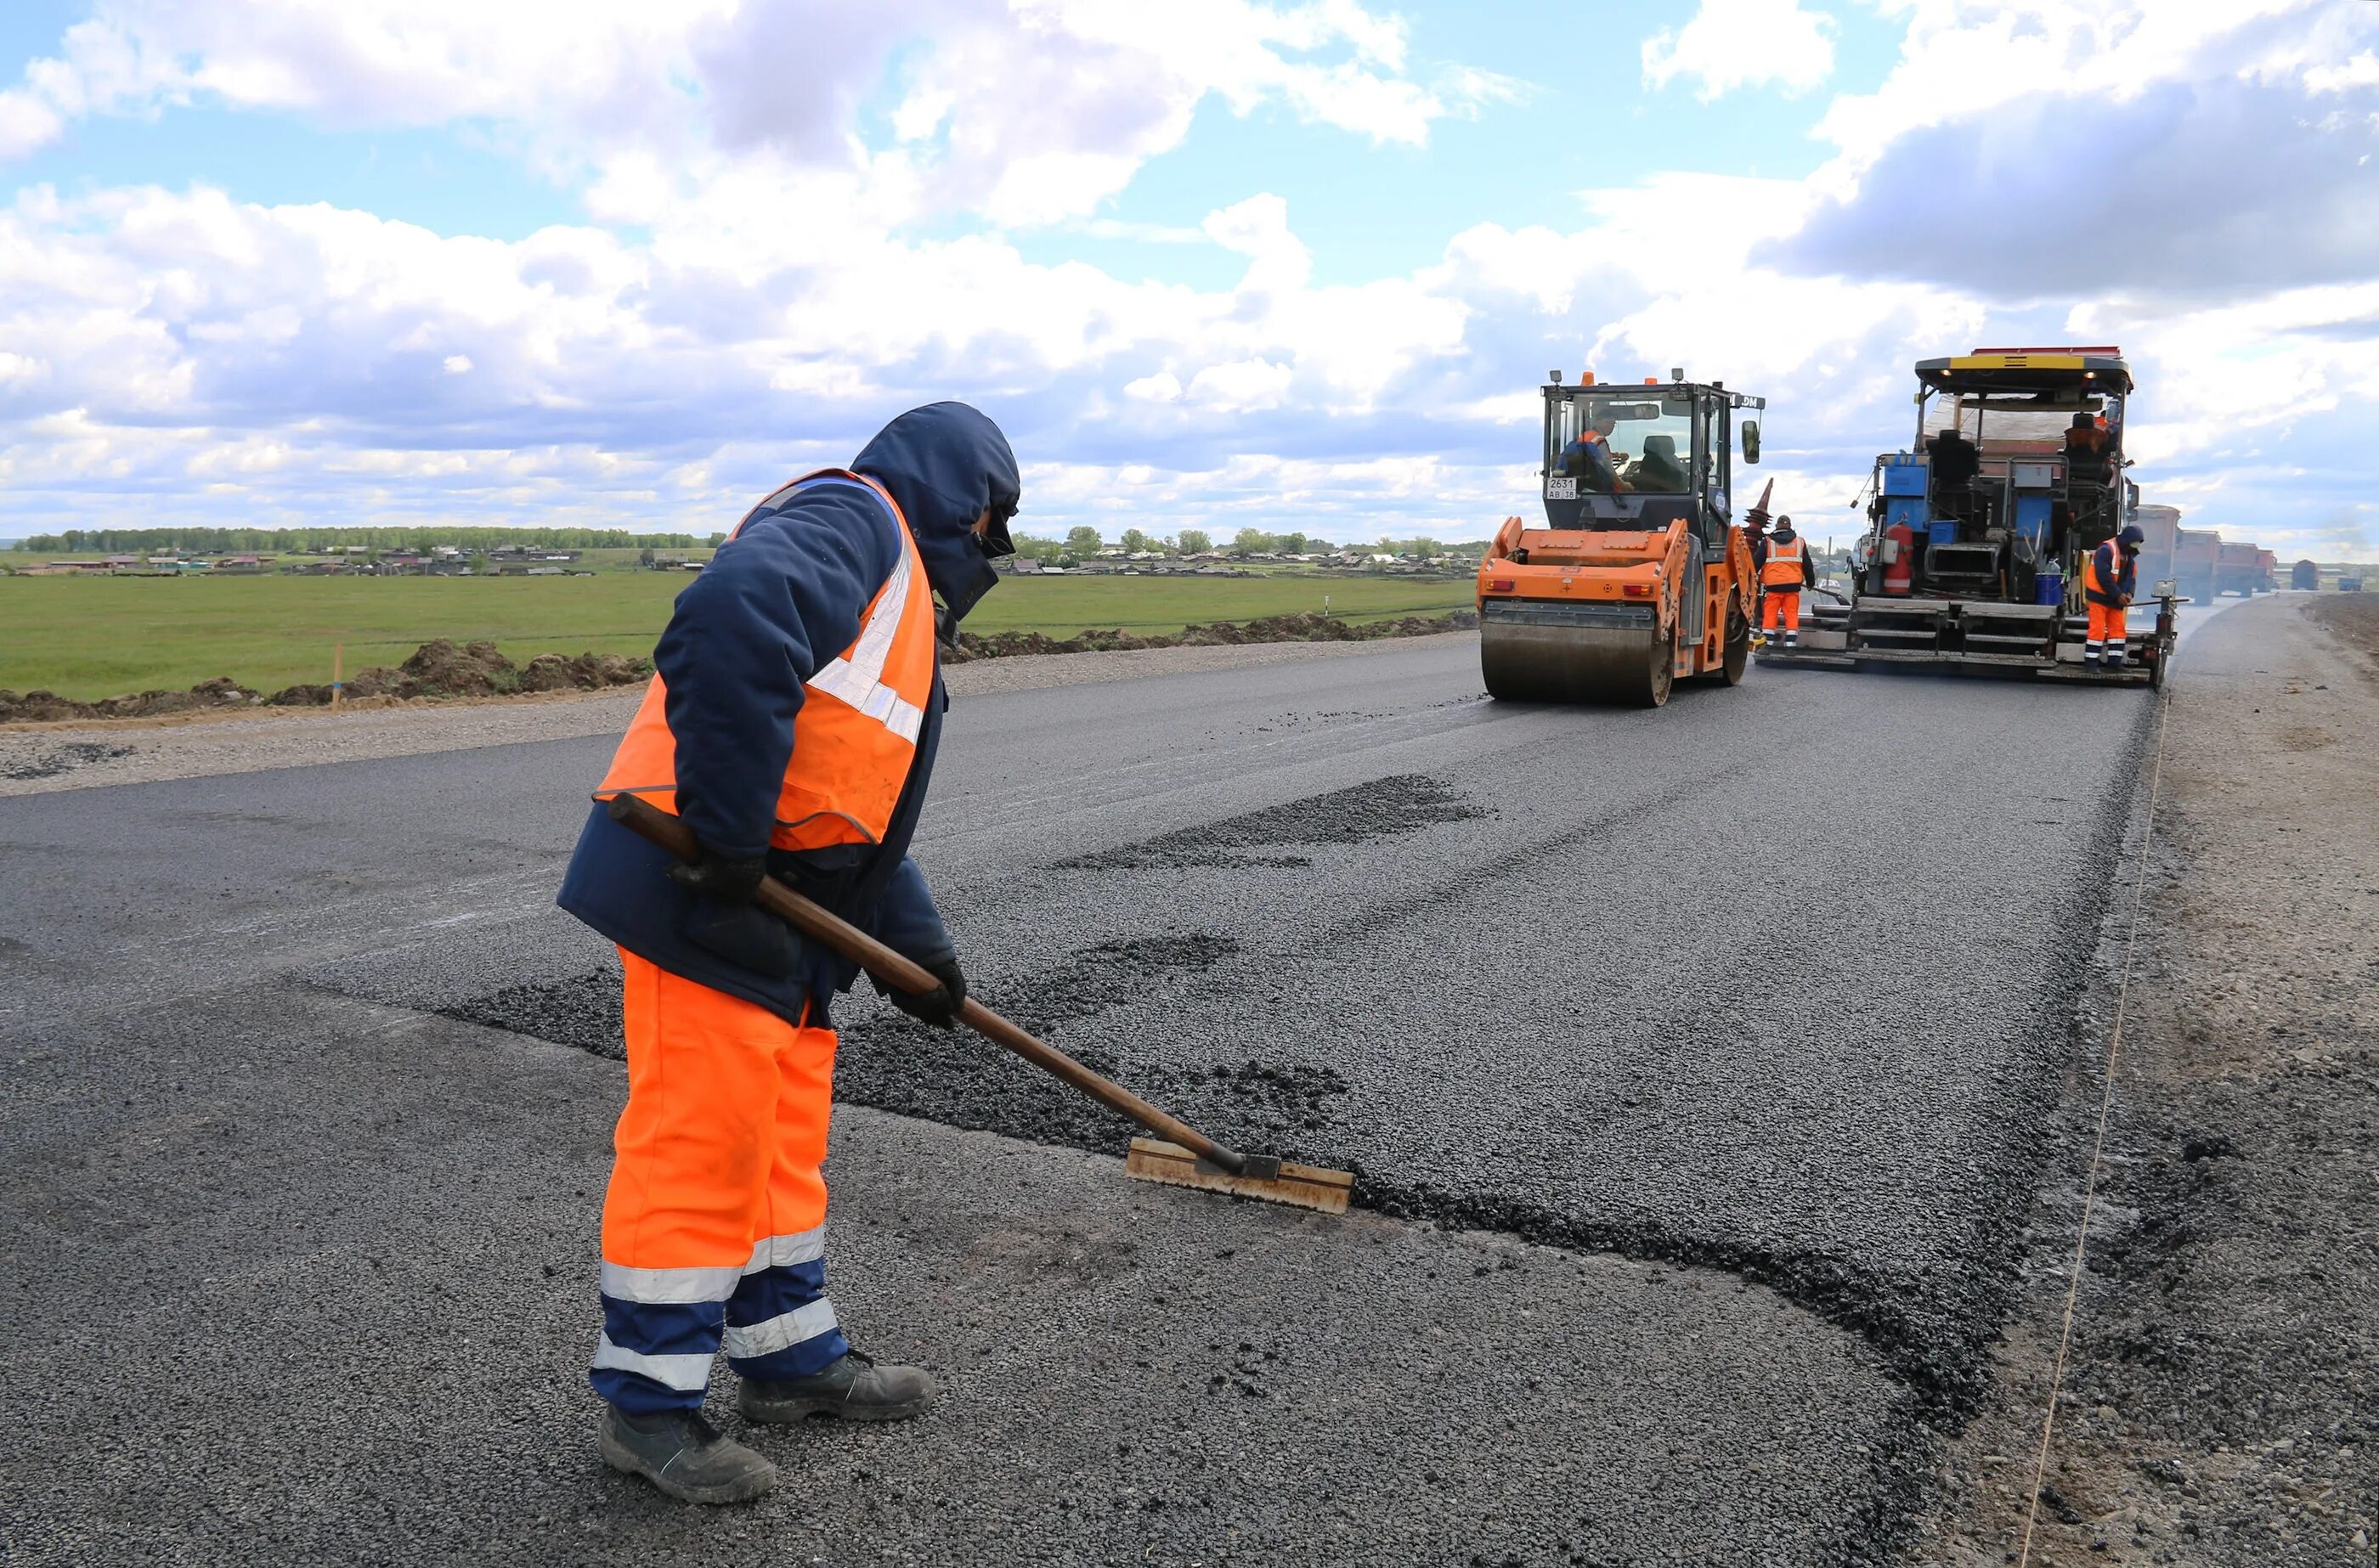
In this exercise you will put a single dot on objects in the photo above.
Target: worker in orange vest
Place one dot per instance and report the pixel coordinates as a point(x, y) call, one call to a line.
point(792, 722)
point(2107, 583)
point(1784, 571)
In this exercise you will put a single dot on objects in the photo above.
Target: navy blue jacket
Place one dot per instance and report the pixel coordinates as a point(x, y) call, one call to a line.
point(1590, 463)
point(2122, 567)
point(779, 600)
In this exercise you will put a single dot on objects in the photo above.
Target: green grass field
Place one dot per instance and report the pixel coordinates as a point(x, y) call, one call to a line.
point(91, 637)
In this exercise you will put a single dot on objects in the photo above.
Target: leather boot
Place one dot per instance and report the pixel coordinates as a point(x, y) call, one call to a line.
point(853, 1388)
point(684, 1455)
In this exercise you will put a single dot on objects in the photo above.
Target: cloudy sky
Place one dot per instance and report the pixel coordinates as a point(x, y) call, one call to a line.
point(1209, 262)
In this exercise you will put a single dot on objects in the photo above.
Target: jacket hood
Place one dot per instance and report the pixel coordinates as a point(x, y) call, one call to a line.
point(943, 464)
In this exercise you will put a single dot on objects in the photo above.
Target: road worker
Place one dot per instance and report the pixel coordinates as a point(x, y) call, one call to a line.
point(792, 723)
point(1587, 459)
point(1755, 535)
point(2086, 451)
point(2107, 583)
point(1784, 571)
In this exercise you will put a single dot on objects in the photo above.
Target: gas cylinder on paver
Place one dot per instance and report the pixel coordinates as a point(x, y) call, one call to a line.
point(1898, 559)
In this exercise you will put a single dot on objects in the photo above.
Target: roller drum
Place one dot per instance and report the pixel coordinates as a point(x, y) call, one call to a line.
point(1538, 650)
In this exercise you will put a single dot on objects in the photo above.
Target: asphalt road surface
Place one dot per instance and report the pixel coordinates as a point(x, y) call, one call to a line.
point(1694, 1065)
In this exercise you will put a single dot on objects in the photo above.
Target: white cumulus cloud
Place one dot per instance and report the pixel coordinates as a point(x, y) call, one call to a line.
point(1727, 45)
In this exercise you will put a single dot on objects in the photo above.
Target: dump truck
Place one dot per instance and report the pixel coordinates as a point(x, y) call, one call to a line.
point(2238, 569)
point(1639, 577)
point(2193, 560)
point(2305, 576)
point(2268, 572)
point(2160, 546)
point(1978, 533)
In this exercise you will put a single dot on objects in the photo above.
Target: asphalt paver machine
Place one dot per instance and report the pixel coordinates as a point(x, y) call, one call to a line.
point(1978, 536)
point(1639, 577)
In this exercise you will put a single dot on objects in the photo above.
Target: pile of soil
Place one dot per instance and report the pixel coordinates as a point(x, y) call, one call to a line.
point(442, 668)
point(1304, 628)
point(38, 707)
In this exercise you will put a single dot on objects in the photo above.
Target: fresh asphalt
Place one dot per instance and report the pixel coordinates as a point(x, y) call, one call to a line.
point(1693, 1064)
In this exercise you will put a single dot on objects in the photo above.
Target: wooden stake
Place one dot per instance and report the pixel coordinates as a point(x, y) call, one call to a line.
point(338, 671)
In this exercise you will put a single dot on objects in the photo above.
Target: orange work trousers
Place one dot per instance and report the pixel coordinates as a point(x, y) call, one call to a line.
point(1782, 610)
point(2109, 632)
point(714, 1221)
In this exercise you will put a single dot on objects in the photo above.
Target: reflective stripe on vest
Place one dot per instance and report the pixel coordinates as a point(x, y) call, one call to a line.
point(857, 677)
point(856, 734)
point(2094, 580)
point(1784, 568)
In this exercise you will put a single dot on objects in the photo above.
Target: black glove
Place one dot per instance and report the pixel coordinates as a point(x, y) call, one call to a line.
point(940, 1007)
point(715, 877)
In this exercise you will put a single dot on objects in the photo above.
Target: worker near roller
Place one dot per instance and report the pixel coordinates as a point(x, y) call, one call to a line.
point(2107, 583)
point(1784, 569)
point(792, 723)
point(1755, 535)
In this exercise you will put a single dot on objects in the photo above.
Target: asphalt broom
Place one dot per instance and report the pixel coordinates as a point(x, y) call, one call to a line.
point(1179, 1156)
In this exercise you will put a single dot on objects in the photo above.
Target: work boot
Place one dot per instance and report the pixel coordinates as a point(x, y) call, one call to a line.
point(1792, 639)
point(684, 1455)
point(854, 1388)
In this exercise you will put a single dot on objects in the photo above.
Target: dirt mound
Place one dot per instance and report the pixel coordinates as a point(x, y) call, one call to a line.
point(1302, 628)
point(43, 706)
point(441, 668)
point(587, 672)
point(438, 669)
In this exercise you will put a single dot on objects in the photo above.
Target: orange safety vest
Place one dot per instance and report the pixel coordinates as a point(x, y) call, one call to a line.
point(1783, 569)
point(856, 734)
point(2093, 581)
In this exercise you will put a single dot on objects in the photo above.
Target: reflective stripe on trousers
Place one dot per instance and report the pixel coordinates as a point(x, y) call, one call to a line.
point(714, 1221)
point(2109, 630)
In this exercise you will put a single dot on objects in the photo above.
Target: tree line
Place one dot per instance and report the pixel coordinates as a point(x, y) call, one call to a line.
point(305, 541)
point(1088, 541)
point(1080, 542)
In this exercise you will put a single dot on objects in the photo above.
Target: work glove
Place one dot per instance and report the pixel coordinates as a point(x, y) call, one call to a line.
point(721, 878)
point(939, 1008)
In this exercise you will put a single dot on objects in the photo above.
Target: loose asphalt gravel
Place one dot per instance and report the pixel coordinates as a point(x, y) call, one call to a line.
point(1696, 1134)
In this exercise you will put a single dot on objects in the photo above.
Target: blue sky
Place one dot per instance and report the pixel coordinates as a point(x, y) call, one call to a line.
point(1213, 263)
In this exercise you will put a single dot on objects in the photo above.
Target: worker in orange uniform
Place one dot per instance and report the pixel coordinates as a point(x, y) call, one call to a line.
point(2107, 583)
point(792, 722)
point(1784, 571)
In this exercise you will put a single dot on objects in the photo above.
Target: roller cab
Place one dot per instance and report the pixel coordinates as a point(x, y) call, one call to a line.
point(1639, 577)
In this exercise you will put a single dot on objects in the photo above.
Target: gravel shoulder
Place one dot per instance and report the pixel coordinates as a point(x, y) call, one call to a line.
point(2218, 1402)
point(38, 758)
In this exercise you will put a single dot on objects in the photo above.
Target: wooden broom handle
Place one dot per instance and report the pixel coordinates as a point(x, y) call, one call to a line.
point(814, 920)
